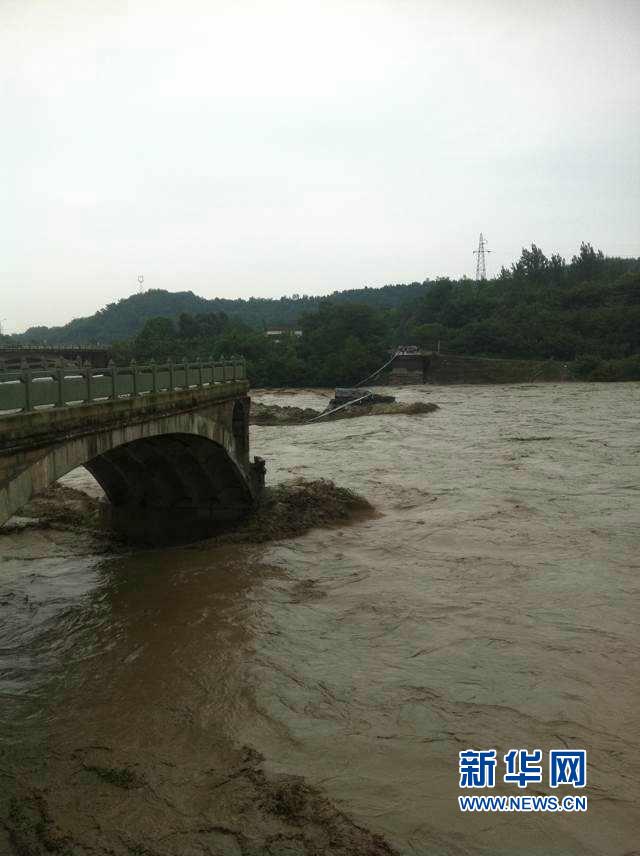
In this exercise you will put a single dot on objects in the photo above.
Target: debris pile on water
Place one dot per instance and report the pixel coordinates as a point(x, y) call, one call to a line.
point(60, 507)
point(285, 510)
point(401, 408)
point(274, 414)
point(344, 395)
point(291, 508)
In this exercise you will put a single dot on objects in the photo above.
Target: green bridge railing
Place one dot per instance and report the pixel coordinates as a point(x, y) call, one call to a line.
point(33, 389)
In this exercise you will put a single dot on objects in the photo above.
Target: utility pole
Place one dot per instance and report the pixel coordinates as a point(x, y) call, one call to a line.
point(1, 321)
point(140, 281)
point(481, 268)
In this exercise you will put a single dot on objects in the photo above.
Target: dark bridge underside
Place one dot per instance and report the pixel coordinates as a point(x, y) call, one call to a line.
point(171, 488)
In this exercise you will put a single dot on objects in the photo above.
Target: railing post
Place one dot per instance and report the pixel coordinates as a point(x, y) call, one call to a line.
point(154, 377)
point(237, 367)
point(89, 377)
point(114, 380)
point(60, 385)
point(170, 363)
point(134, 377)
point(200, 385)
point(28, 401)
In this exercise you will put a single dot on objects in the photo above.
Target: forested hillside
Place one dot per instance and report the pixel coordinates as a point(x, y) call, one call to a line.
point(586, 312)
point(127, 317)
point(540, 308)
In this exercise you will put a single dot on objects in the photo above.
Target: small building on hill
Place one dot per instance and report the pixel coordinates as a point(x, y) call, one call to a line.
point(279, 332)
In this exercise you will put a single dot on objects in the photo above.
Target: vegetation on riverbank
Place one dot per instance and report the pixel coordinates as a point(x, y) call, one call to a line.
point(585, 313)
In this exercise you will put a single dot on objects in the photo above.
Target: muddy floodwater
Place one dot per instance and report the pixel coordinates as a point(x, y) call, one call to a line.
point(492, 603)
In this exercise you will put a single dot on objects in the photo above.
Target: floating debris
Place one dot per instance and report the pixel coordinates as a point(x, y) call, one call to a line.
point(274, 414)
point(285, 510)
point(292, 508)
point(60, 507)
point(397, 408)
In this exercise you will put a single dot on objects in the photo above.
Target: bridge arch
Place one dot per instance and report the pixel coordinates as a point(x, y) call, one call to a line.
point(171, 487)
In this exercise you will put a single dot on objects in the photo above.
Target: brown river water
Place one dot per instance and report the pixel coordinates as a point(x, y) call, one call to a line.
point(492, 603)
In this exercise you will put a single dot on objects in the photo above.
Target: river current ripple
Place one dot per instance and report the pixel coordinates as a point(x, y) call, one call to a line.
point(492, 603)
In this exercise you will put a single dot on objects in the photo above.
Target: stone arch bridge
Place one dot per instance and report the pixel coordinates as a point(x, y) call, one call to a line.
point(168, 444)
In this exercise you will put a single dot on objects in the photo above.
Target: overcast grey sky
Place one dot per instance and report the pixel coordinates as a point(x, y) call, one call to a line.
point(266, 147)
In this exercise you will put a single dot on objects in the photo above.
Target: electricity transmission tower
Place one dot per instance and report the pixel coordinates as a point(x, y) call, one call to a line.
point(481, 268)
point(140, 281)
